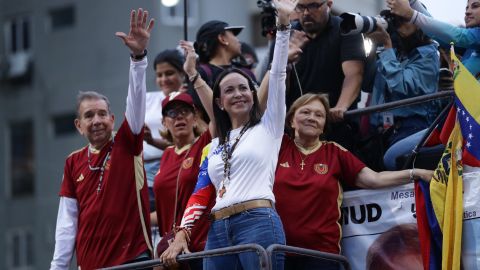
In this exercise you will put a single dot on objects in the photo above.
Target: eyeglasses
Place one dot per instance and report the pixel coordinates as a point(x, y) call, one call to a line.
point(310, 7)
point(174, 113)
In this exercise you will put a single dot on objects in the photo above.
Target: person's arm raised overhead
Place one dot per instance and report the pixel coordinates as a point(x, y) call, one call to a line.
point(137, 41)
point(444, 32)
point(274, 117)
point(201, 87)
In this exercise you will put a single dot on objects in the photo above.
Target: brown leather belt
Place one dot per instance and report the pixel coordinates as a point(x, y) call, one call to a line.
point(239, 207)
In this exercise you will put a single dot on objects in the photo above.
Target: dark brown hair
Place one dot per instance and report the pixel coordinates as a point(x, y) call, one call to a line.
point(222, 119)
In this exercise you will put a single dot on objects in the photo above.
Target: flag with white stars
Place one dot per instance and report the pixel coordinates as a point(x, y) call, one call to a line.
point(467, 101)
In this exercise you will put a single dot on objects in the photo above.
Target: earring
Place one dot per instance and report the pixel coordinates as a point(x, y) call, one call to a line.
point(226, 43)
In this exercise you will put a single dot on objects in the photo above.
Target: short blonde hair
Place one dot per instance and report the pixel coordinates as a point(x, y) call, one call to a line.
point(197, 131)
point(302, 100)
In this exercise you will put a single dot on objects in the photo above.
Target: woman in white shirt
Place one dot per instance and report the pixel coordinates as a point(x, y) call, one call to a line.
point(241, 164)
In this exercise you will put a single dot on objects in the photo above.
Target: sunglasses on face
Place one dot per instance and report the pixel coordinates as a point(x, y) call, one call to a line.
point(310, 7)
point(174, 113)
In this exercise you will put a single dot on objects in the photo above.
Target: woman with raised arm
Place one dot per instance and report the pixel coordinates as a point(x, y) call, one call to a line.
point(467, 38)
point(241, 163)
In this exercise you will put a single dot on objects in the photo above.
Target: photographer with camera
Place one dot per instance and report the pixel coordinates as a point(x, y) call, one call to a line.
point(467, 38)
point(407, 66)
point(330, 63)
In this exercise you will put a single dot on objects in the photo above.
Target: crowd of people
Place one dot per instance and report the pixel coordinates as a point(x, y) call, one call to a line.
point(213, 160)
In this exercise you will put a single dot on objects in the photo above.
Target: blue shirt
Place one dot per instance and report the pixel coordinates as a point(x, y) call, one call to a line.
point(468, 38)
point(397, 79)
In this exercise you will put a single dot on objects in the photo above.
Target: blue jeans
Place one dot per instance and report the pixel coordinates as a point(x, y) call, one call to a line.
point(255, 226)
point(401, 148)
point(151, 169)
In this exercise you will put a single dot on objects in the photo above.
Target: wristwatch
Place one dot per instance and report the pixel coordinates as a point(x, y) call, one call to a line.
point(140, 56)
point(284, 27)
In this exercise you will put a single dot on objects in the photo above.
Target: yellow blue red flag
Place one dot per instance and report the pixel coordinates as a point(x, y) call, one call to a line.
point(440, 202)
point(467, 100)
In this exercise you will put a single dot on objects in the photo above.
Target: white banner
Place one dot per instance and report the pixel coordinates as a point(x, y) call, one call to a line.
point(367, 214)
point(390, 213)
point(471, 220)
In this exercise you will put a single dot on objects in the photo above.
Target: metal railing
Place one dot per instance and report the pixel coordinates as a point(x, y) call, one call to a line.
point(308, 252)
point(261, 252)
point(447, 93)
point(265, 256)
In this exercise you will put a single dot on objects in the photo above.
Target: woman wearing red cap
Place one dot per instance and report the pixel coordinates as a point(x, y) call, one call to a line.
point(179, 168)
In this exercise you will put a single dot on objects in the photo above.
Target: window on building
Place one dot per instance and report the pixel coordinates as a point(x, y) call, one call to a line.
point(21, 159)
point(20, 249)
point(62, 17)
point(173, 15)
point(63, 124)
point(17, 33)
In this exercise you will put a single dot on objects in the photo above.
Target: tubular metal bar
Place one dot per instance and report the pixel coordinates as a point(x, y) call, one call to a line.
point(399, 103)
point(261, 252)
point(308, 252)
point(425, 137)
point(185, 20)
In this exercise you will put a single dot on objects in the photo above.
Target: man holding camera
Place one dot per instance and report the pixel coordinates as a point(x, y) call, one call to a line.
point(330, 63)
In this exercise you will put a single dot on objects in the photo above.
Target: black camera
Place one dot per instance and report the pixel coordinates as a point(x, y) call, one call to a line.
point(268, 14)
point(354, 23)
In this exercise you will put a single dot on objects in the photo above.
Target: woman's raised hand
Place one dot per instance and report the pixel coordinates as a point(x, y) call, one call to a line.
point(190, 58)
point(284, 9)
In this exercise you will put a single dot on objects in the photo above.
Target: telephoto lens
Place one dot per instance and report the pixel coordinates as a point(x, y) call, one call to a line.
point(355, 24)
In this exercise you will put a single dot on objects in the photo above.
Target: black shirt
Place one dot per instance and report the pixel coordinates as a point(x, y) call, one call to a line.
point(320, 66)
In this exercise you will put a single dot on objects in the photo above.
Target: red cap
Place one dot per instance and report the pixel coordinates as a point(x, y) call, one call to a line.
point(178, 97)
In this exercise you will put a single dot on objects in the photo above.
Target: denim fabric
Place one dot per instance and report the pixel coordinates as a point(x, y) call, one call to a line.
point(406, 127)
point(151, 169)
point(400, 148)
point(259, 226)
point(399, 77)
point(309, 263)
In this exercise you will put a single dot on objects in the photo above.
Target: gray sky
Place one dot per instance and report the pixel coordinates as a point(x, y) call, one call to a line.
point(447, 11)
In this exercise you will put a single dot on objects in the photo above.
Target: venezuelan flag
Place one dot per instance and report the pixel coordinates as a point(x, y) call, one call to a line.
point(440, 202)
point(440, 209)
point(467, 92)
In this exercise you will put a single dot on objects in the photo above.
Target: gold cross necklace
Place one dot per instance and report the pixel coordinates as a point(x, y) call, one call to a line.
point(305, 151)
